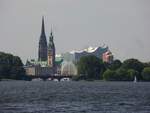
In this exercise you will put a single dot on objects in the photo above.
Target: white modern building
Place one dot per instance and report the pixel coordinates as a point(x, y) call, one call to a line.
point(75, 56)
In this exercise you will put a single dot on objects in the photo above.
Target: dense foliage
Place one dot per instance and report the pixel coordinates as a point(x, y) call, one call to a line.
point(109, 75)
point(11, 67)
point(134, 64)
point(146, 73)
point(90, 67)
point(120, 74)
point(131, 74)
point(126, 71)
point(114, 65)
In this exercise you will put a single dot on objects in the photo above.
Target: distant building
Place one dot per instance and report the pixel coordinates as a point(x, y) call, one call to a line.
point(42, 52)
point(38, 71)
point(49, 64)
point(75, 56)
point(46, 64)
point(68, 66)
point(107, 57)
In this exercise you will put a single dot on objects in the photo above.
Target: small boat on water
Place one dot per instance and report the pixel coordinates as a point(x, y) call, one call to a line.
point(55, 80)
point(37, 79)
point(49, 79)
point(65, 79)
point(135, 79)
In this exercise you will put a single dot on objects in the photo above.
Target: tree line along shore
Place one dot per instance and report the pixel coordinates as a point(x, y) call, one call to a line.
point(89, 68)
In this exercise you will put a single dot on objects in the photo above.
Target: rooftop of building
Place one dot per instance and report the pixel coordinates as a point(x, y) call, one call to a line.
point(34, 62)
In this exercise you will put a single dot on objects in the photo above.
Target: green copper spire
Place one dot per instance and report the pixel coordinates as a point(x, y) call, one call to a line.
point(51, 41)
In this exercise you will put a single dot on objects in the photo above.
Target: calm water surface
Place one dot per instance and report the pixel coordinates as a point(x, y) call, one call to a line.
point(74, 97)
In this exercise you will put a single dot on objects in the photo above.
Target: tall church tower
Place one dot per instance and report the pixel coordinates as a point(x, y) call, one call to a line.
point(42, 52)
point(51, 51)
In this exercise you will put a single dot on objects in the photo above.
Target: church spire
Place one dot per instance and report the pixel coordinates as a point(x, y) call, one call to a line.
point(42, 53)
point(51, 51)
point(43, 27)
point(51, 35)
point(51, 41)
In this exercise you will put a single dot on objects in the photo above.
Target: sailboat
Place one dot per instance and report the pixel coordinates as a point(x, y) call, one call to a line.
point(135, 79)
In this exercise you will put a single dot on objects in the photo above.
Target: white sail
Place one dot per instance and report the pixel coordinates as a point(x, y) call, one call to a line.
point(135, 80)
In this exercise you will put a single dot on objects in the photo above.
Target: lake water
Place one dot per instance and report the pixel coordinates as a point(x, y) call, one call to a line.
point(74, 97)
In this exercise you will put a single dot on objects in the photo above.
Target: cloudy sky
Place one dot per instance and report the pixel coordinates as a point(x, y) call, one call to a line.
point(123, 25)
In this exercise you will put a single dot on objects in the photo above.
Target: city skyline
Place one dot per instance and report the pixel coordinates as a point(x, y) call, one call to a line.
point(121, 25)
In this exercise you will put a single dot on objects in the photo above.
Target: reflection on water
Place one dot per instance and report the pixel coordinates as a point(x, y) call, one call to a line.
point(74, 97)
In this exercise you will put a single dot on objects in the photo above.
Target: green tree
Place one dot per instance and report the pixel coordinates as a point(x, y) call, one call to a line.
point(11, 67)
point(146, 73)
point(115, 65)
point(131, 73)
point(121, 74)
point(134, 64)
point(109, 75)
point(146, 64)
point(90, 67)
